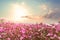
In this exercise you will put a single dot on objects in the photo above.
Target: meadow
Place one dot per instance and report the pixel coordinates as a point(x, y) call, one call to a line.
point(22, 31)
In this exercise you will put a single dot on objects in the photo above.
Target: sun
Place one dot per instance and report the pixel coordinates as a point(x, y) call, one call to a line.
point(19, 11)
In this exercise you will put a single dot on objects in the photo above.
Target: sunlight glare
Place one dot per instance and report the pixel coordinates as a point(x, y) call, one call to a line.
point(19, 11)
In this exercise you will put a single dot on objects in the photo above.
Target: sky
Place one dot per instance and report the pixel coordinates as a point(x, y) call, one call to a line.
point(37, 8)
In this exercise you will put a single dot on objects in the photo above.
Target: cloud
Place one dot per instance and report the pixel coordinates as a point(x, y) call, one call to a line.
point(53, 14)
point(43, 9)
point(34, 19)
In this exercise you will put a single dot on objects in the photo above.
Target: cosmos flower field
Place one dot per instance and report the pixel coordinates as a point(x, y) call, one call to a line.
point(21, 31)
